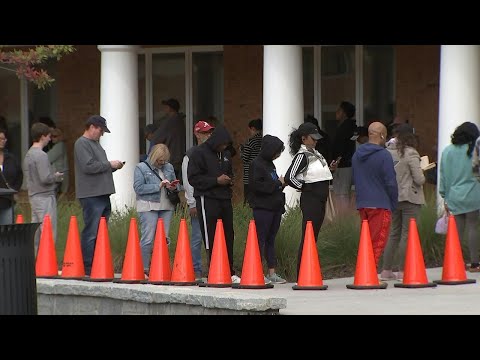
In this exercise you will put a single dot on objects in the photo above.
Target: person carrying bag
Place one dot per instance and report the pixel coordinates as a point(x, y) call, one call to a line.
point(153, 179)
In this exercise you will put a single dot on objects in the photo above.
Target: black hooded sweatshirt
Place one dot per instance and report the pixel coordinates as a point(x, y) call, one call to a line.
point(206, 165)
point(266, 190)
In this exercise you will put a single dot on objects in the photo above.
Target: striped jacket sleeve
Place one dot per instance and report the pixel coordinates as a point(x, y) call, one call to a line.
point(299, 163)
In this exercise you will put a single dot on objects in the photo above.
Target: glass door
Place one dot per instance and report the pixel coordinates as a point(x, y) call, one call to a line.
point(192, 75)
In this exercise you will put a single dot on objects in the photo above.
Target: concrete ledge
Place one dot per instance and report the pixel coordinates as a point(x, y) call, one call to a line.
point(72, 297)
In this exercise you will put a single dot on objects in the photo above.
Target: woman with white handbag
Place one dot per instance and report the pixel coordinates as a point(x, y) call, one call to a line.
point(460, 188)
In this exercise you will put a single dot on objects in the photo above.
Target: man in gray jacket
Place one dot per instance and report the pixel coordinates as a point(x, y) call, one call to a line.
point(41, 180)
point(93, 183)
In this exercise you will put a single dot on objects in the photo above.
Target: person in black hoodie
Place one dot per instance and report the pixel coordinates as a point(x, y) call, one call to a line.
point(267, 200)
point(344, 146)
point(211, 175)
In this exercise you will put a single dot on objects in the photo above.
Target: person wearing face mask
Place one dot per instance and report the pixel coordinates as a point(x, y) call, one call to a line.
point(376, 186)
point(267, 200)
point(202, 131)
point(309, 173)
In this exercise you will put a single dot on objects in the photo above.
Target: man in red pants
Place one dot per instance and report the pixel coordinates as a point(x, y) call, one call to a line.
point(375, 185)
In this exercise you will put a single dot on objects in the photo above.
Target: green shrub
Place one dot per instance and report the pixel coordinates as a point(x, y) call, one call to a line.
point(337, 242)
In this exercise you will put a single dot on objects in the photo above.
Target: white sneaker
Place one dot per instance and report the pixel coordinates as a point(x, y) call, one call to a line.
point(235, 279)
point(267, 280)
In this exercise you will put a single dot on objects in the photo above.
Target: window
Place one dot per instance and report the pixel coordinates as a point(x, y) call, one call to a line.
point(192, 75)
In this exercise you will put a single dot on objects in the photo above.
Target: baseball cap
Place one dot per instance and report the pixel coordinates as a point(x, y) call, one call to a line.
point(173, 103)
point(309, 129)
point(97, 120)
point(203, 126)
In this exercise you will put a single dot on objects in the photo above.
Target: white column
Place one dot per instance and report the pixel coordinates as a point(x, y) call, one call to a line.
point(119, 106)
point(459, 91)
point(283, 109)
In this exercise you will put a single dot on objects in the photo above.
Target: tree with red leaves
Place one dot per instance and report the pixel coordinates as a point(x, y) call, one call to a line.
point(27, 62)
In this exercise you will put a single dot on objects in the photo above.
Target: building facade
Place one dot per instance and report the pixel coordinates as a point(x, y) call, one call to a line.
point(235, 83)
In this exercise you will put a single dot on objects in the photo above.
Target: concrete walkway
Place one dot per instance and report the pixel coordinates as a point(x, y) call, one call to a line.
point(60, 296)
point(338, 300)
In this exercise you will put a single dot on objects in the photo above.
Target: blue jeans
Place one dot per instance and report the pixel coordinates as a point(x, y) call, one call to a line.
point(93, 209)
point(196, 245)
point(6, 216)
point(148, 226)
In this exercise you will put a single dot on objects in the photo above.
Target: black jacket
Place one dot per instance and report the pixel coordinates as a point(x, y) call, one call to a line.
point(205, 165)
point(171, 132)
point(265, 188)
point(343, 144)
point(12, 171)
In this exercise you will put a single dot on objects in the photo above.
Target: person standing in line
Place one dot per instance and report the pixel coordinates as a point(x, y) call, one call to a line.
point(309, 173)
point(410, 179)
point(41, 180)
point(202, 132)
point(171, 132)
point(11, 177)
point(249, 151)
point(344, 146)
point(148, 132)
point(151, 179)
point(93, 183)
point(376, 186)
point(460, 188)
point(323, 145)
point(210, 173)
point(267, 200)
point(58, 158)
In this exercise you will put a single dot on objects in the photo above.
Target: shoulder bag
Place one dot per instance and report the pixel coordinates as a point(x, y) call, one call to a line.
point(172, 195)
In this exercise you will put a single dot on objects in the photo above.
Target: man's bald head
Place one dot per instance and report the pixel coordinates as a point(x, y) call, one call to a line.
point(377, 133)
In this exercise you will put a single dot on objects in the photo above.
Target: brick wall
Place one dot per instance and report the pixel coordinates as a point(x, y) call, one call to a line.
point(78, 89)
point(417, 92)
point(243, 92)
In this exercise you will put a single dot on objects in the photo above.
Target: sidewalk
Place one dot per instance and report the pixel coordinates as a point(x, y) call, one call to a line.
point(338, 300)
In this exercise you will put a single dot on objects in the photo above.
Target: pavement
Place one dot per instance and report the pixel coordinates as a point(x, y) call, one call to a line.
point(338, 300)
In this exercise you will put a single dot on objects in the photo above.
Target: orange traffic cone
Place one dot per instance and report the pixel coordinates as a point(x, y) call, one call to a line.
point(415, 275)
point(310, 275)
point(366, 271)
point(182, 272)
point(160, 272)
point(453, 264)
point(19, 219)
point(73, 267)
point(219, 273)
point(46, 265)
point(132, 272)
point(102, 266)
point(252, 270)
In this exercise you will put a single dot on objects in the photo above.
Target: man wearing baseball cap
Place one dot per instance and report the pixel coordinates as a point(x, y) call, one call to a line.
point(202, 131)
point(93, 182)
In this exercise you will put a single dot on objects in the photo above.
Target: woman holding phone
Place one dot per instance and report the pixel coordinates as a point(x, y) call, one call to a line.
point(151, 179)
point(310, 174)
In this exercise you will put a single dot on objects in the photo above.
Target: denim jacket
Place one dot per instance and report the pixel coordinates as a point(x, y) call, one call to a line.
point(146, 184)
